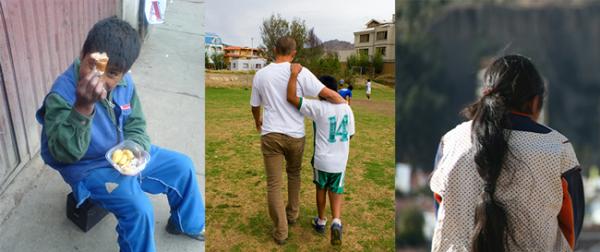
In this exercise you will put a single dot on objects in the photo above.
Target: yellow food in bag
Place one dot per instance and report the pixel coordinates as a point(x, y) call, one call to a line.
point(117, 155)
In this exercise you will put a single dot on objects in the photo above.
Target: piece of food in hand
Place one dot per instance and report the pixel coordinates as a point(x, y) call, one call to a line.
point(101, 61)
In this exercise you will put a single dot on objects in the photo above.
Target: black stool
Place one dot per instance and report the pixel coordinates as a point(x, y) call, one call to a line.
point(87, 215)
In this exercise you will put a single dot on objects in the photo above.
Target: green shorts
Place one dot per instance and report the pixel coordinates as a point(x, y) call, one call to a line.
point(333, 181)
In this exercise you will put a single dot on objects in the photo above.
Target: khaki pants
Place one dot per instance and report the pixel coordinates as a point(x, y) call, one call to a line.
point(275, 148)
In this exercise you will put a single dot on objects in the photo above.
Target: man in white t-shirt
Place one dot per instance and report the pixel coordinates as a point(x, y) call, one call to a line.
point(368, 89)
point(282, 131)
point(333, 128)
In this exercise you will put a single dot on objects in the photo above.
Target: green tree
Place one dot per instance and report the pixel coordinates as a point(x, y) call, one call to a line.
point(298, 31)
point(218, 61)
point(358, 63)
point(207, 61)
point(352, 60)
point(346, 74)
point(329, 64)
point(276, 27)
point(377, 63)
point(271, 29)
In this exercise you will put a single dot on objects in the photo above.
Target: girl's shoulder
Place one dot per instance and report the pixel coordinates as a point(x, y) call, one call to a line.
point(459, 131)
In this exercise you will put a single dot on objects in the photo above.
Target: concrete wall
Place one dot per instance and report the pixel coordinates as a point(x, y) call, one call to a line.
point(129, 11)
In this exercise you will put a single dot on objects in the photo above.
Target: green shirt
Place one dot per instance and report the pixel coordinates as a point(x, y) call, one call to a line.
point(69, 132)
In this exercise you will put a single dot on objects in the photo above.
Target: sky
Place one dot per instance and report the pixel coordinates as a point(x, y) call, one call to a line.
point(238, 21)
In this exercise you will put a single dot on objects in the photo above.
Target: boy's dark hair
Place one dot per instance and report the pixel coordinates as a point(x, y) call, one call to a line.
point(350, 87)
point(117, 39)
point(285, 45)
point(368, 79)
point(329, 82)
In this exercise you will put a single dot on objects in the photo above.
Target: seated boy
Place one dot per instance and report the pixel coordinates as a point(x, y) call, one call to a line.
point(86, 114)
point(334, 126)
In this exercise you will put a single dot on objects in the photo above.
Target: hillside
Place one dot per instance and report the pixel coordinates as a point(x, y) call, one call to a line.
point(337, 45)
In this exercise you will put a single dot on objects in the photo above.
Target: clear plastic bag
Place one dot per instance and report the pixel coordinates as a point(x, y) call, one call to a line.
point(136, 164)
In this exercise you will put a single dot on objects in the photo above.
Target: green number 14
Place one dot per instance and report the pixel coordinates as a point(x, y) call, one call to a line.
point(335, 131)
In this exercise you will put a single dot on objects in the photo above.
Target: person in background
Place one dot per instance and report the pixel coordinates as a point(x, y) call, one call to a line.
point(502, 181)
point(368, 89)
point(346, 93)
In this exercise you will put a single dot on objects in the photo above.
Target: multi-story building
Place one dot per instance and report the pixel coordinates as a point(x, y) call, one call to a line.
point(377, 37)
point(247, 64)
point(244, 58)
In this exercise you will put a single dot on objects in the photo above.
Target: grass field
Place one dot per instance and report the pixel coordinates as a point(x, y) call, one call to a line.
point(237, 215)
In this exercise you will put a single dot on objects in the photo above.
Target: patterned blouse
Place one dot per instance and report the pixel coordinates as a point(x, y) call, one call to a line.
point(540, 188)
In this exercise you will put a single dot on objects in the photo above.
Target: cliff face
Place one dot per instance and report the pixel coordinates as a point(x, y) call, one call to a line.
point(563, 42)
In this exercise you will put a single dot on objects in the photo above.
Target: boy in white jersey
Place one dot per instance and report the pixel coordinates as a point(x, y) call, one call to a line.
point(368, 89)
point(333, 128)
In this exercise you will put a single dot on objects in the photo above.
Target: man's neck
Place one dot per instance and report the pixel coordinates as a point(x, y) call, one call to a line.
point(283, 58)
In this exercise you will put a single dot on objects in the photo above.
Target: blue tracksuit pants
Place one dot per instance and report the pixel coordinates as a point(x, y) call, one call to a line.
point(168, 172)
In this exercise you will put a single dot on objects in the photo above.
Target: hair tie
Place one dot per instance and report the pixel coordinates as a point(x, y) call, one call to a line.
point(487, 90)
point(489, 188)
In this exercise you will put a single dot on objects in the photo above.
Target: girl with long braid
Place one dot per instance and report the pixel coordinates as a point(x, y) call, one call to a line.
point(503, 182)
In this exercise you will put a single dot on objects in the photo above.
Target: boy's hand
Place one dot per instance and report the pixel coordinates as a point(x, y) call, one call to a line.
point(295, 68)
point(90, 89)
point(292, 98)
point(331, 96)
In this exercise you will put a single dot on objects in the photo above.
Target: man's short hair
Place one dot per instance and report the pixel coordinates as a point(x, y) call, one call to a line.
point(285, 45)
point(329, 82)
point(117, 39)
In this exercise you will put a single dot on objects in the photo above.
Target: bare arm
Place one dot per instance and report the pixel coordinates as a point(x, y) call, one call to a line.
point(257, 118)
point(291, 88)
point(331, 96)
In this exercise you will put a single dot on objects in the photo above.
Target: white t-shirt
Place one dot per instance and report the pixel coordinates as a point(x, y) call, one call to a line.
point(334, 124)
point(368, 87)
point(269, 89)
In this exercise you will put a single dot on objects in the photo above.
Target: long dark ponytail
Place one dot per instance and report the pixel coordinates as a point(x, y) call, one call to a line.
point(510, 84)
